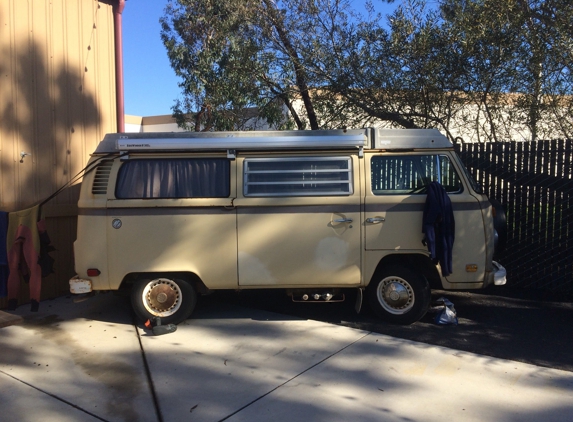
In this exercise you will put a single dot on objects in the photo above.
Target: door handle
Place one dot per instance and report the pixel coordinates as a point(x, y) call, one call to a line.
point(342, 220)
point(375, 220)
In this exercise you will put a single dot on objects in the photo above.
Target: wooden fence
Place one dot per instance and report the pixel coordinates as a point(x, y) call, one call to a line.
point(533, 180)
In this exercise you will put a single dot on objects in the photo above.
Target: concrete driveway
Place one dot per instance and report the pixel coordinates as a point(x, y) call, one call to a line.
point(513, 324)
point(88, 362)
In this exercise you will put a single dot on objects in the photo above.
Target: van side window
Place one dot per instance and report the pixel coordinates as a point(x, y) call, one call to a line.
point(298, 176)
point(173, 178)
point(410, 174)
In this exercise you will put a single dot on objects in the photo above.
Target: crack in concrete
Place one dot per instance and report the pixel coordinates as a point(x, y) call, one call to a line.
point(294, 377)
point(54, 397)
point(148, 375)
point(121, 378)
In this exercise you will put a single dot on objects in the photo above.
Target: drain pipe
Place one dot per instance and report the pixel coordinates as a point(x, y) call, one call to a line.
point(119, 95)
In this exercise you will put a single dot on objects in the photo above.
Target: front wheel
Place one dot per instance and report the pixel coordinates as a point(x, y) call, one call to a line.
point(399, 295)
point(172, 300)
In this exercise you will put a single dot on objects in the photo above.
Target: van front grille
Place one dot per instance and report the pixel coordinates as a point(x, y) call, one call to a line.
point(101, 177)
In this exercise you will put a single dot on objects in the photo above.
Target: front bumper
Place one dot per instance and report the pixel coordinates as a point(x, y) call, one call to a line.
point(499, 277)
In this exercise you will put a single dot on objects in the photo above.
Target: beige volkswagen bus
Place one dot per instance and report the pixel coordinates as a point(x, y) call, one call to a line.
point(173, 216)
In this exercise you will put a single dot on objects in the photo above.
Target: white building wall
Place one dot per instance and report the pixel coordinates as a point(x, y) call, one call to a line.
point(162, 123)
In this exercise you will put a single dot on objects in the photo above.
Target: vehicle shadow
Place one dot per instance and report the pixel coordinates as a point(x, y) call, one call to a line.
point(538, 332)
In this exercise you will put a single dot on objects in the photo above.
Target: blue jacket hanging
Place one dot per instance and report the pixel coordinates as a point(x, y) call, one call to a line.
point(439, 227)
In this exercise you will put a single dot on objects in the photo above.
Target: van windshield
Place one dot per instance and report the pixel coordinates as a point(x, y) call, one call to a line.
point(411, 174)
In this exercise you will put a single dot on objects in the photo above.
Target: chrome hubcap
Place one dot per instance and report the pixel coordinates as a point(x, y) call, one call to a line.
point(395, 295)
point(162, 297)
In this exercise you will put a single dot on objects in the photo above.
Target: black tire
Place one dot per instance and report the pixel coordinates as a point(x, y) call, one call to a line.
point(172, 300)
point(399, 295)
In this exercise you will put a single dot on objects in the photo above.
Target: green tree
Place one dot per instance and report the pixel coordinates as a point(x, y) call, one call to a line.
point(402, 74)
point(214, 50)
point(514, 57)
point(234, 54)
point(490, 66)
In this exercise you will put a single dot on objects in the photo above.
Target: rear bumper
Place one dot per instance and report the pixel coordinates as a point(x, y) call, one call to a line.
point(79, 286)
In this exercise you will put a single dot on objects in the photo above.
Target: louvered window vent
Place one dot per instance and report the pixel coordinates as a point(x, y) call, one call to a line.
point(102, 177)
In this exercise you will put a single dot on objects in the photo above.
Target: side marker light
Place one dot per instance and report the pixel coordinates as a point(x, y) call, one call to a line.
point(471, 268)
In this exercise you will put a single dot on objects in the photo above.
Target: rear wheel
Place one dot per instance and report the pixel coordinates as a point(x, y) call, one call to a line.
point(172, 300)
point(399, 295)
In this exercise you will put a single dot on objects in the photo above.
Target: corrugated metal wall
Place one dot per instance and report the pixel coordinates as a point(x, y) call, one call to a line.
point(57, 100)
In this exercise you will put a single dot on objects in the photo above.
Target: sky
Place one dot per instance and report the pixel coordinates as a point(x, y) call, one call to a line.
point(149, 82)
point(150, 85)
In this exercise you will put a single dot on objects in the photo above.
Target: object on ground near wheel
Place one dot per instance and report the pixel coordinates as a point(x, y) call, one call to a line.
point(399, 295)
point(172, 300)
point(446, 312)
point(154, 324)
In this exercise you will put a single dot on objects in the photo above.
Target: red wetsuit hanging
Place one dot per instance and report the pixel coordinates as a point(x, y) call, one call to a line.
point(23, 244)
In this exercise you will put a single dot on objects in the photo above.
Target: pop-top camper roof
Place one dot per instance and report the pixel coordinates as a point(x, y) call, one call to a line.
point(274, 140)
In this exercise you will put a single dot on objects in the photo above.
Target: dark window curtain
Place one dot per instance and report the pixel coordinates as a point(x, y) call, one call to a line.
point(173, 178)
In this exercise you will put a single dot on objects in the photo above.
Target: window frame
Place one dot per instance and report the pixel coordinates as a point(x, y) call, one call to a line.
point(125, 164)
point(418, 190)
point(349, 183)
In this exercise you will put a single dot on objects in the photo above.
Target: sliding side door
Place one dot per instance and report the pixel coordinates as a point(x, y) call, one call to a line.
point(298, 221)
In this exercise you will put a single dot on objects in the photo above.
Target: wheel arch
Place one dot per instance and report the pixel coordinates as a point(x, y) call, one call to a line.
point(193, 279)
point(420, 263)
